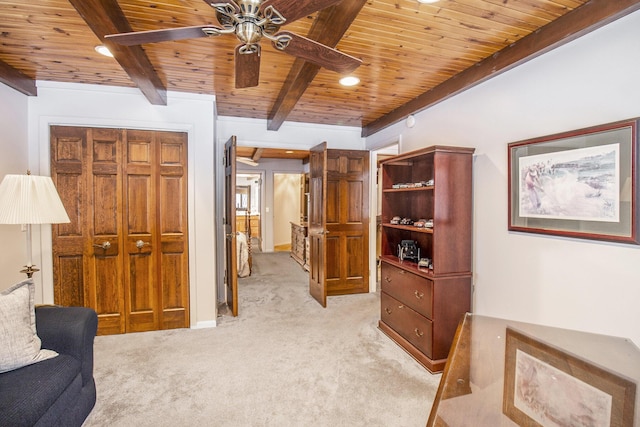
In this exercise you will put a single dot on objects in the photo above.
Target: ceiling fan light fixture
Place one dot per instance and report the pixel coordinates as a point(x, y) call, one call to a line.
point(349, 81)
point(103, 50)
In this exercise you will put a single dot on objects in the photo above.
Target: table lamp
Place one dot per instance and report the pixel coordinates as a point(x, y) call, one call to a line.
point(30, 199)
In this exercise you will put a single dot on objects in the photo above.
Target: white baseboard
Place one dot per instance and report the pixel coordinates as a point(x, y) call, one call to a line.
point(205, 324)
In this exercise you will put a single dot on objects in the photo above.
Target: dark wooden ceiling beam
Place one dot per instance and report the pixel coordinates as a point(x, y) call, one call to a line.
point(574, 24)
point(105, 17)
point(17, 80)
point(328, 29)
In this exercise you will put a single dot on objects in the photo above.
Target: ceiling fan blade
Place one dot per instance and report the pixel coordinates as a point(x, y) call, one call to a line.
point(293, 10)
point(247, 67)
point(154, 36)
point(317, 53)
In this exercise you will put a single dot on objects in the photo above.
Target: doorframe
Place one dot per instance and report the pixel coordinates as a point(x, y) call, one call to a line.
point(373, 204)
point(261, 203)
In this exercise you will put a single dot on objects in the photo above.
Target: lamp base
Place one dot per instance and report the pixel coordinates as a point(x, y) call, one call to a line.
point(29, 270)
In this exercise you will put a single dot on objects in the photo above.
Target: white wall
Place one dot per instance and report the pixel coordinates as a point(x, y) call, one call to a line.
point(14, 159)
point(300, 136)
point(89, 105)
point(569, 283)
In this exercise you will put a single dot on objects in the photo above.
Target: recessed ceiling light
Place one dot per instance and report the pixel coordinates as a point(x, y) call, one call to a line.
point(349, 81)
point(103, 50)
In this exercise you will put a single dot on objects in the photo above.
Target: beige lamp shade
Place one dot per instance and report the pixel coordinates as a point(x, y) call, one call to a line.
point(30, 199)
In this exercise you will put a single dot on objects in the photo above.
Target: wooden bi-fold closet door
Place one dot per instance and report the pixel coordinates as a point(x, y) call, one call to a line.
point(124, 253)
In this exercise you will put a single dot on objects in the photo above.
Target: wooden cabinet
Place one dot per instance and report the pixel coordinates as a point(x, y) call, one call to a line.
point(248, 224)
point(421, 305)
point(298, 243)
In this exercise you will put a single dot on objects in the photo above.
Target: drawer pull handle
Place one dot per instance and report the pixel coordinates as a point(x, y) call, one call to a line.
point(418, 332)
point(388, 279)
point(388, 310)
point(418, 295)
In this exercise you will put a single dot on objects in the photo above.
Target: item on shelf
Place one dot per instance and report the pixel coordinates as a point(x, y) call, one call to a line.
point(428, 223)
point(428, 183)
point(420, 223)
point(425, 263)
point(395, 220)
point(406, 221)
point(408, 250)
point(402, 185)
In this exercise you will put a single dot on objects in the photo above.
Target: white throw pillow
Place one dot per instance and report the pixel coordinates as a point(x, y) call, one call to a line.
point(19, 341)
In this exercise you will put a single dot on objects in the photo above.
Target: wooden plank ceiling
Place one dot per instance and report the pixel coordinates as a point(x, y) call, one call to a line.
point(413, 54)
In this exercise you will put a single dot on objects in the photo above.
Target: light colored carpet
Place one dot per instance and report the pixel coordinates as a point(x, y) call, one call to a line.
point(285, 361)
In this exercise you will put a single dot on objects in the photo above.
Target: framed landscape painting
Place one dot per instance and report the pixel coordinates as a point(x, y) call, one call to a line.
point(577, 184)
point(545, 386)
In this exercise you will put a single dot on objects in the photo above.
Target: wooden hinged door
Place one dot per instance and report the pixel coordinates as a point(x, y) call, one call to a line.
point(316, 231)
point(338, 222)
point(230, 228)
point(124, 253)
point(347, 222)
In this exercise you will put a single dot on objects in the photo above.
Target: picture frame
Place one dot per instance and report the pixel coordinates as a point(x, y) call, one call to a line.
point(581, 184)
point(546, 386)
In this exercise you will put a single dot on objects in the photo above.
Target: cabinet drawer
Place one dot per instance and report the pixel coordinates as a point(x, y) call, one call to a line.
point(413, 327)
point(411, 289)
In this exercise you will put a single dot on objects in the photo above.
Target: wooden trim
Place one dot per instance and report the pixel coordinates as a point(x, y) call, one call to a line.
point(17, 80)
point(106, 17)
point(578, 22)
point(327, 29)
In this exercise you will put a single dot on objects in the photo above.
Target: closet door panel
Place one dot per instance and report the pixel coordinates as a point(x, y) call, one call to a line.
point(67, 164)
point(104, 229)
point(173, 231)
point(141, 245)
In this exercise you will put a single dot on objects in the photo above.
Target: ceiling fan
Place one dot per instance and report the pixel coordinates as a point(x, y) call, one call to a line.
point(250, 21)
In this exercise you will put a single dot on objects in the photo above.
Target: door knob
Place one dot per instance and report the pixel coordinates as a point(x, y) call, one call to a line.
point(140, 244)
point(104, 246)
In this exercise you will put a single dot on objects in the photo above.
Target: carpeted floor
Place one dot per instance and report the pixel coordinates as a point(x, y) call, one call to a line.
point(284, 361)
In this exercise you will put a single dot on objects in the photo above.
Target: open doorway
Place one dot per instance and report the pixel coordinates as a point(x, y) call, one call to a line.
point(248, 209)
point(287, 208)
